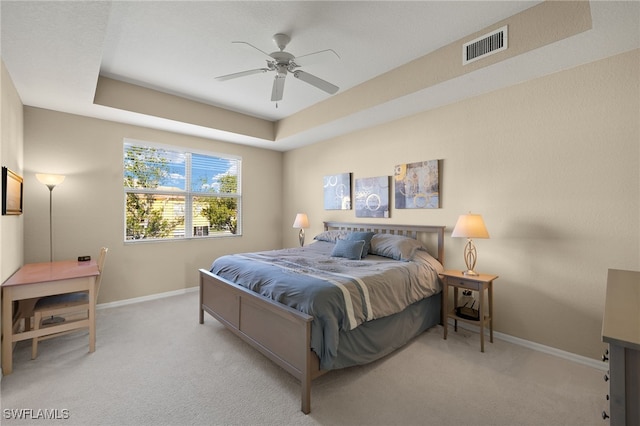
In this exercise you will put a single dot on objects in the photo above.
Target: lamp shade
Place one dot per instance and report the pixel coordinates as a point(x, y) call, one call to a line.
point(50, 180)
point(302, 221)
point(470, 226)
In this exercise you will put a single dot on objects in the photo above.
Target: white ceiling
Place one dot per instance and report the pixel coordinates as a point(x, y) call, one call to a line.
point(54, 52)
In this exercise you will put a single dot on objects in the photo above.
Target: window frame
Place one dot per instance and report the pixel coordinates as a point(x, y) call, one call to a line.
point(188, 193)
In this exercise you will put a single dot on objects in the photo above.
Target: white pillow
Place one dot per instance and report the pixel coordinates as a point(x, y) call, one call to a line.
point(331, 236)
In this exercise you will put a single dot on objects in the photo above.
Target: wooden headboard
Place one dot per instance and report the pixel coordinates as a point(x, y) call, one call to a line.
point(418, 232)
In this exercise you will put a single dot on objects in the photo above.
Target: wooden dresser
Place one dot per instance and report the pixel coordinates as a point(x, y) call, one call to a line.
point(621, 330)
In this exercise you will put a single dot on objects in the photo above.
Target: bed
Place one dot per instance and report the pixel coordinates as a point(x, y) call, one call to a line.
point(351, 319)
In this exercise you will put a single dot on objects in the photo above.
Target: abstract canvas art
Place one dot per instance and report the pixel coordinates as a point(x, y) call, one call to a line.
point(337, 192)
point(417, 185)
point(372, 197)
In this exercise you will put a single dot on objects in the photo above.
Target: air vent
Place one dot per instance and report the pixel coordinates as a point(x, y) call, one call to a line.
point(484, 46)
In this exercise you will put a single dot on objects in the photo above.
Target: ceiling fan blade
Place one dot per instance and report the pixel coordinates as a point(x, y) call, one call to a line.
point(241, 74)
point(278, 88)
point(251, 45)
point(316, 57)
point(316, 82)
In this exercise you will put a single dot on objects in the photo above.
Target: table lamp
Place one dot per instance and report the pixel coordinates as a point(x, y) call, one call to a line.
point(470, 226)
point(302, 222)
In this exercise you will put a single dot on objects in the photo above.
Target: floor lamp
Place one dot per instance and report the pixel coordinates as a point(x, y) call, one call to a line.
point(51, 181)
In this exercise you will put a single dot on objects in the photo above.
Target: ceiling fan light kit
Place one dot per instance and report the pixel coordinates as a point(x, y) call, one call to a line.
point(283, 63)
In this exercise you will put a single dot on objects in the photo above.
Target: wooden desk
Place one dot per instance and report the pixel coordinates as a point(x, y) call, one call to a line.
point(46, 279)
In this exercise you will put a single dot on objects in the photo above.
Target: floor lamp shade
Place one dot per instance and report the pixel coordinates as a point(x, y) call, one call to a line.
point(51, 181)
point(470, 226)
point(302, 222)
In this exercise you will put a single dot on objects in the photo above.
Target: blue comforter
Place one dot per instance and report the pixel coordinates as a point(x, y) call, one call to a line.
point(339, 293)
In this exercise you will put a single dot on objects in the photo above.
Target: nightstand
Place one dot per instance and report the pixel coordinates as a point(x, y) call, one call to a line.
point(479, 283)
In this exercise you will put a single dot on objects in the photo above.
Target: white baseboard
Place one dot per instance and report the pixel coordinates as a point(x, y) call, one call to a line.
point(589, 362)
point(145, 298)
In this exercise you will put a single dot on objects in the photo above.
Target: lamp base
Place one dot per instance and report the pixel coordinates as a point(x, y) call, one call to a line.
point(301, 237)
point(470, 272)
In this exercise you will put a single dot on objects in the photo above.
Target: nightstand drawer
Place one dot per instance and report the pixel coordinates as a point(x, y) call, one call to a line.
point(468, 284)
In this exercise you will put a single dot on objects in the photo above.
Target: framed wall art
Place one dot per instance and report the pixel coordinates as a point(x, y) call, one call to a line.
point(11, 192)
point(337, 192)
point(372, 197)
point(417, 185)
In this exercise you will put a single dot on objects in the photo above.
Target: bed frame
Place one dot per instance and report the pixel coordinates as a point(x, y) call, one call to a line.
point(281, 333)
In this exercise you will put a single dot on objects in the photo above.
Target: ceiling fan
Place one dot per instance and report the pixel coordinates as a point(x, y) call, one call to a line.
point(284, 62)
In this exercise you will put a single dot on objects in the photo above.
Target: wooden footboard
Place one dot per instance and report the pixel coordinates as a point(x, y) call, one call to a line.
point(281, 333)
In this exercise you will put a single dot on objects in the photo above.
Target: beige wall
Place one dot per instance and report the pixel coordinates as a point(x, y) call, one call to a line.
point(88, 207)
point(11, 156)
point(551, 164)
point(553, 167)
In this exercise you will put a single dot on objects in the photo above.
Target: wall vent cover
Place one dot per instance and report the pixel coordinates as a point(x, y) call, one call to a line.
point(485, 45)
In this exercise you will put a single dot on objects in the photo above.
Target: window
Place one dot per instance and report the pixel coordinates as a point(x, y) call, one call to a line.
point(175, 194)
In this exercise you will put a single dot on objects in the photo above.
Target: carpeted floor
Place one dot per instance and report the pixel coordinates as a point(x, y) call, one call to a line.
point(155, 365)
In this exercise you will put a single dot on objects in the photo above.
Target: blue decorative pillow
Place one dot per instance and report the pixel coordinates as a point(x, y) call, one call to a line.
point(366, 236)
point(348, 249)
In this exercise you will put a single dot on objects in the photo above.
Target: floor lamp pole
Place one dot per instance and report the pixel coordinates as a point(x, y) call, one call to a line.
point(52, 320)
point(50, 181)
point(51, 221)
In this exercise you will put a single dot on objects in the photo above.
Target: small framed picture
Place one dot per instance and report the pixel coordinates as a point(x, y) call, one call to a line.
point(11, 192)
